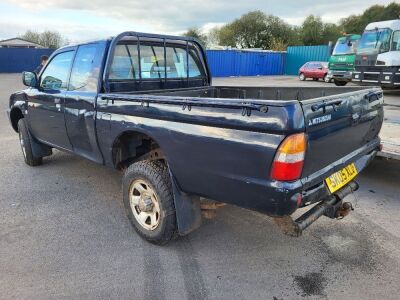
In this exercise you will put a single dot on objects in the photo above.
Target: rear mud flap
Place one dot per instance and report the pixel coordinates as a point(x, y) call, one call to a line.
point(187, 207)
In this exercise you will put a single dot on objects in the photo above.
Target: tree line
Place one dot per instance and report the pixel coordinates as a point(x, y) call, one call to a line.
point(47, 38)
point(256, 29)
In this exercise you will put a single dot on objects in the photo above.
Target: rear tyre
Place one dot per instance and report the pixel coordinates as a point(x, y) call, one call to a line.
point(340, 83)
point(302, 77)
point(326, 79)
point(25, 141)
point(149, 201)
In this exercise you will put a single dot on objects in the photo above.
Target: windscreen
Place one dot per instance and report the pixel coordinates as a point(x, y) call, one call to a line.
point(375, 41)
point(345, 46)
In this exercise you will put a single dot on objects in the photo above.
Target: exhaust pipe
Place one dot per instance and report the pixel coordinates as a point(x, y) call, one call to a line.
point(332, 206)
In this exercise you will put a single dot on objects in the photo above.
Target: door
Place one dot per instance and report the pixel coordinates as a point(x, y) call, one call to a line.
point(80, 101)
point(46, 103)
point(312, 68)
point(308, 70)
point(319, 70)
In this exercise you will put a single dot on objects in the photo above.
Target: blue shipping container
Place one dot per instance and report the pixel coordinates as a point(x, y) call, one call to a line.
point(15, 60)
point(297, 56)
point(225, 63)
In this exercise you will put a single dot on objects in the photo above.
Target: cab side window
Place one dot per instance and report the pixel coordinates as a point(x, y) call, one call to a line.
point(84, 75)
point(55, 76)
point(396, 41)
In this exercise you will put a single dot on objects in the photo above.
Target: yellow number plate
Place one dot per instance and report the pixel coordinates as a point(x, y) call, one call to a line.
point(339, 179)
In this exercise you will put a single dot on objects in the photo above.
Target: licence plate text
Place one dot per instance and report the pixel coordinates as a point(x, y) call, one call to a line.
point(339, 179)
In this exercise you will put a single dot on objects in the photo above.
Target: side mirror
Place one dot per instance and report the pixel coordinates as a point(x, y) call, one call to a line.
point(29, 79)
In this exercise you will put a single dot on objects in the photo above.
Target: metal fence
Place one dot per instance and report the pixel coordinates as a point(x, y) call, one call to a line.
point(297, 56)
point(225, 63)
point(15, 60)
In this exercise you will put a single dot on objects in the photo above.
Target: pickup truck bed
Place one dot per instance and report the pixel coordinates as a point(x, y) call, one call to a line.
point(227, 137)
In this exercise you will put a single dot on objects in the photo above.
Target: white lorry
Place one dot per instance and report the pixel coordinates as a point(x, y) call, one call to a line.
point(378, 55)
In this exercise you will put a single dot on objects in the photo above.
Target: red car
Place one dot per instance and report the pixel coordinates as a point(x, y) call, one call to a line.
point(314, 70)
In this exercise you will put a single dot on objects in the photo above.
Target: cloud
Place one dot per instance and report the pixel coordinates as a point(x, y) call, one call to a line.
point(157, 15)
point(74, 31)
point(171, 16)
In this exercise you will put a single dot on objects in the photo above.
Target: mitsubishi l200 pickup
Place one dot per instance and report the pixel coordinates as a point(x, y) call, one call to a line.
point(144, 104)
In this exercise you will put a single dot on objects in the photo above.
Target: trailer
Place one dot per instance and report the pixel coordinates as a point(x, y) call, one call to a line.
point(390, 140)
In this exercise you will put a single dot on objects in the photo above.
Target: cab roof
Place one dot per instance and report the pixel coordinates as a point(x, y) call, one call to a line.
point(351, 37)
point(392, 24)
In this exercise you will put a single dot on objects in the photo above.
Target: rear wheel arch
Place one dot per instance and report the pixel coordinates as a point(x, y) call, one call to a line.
point(131, 146)
point(15, 115)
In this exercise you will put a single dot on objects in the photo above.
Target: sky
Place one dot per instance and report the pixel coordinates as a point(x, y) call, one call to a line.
point(80, 20)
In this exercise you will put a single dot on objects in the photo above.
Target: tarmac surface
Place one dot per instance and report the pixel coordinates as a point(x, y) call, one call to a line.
point(64, 234)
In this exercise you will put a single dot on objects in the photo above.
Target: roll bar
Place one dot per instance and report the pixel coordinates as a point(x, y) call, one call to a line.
point(161, 37)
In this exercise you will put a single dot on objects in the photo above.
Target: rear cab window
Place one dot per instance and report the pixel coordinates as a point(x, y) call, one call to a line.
point(148, 65)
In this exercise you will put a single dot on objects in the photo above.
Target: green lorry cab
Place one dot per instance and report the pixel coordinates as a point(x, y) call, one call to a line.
point(341, 62)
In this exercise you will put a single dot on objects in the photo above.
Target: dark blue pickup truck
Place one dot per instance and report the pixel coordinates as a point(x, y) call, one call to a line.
point(144, 104)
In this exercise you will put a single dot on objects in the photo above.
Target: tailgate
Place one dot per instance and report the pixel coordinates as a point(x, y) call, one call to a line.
point(337, 125)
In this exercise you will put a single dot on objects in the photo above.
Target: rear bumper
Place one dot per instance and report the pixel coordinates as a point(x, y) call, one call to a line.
point(385, 76)
point(331, 206)
point(279, 199)
point(319, 190)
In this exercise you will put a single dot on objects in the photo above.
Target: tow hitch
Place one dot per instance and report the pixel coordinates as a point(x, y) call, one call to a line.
point(332, 206)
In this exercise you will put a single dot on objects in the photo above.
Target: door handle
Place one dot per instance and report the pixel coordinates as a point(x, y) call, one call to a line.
point(57, 100)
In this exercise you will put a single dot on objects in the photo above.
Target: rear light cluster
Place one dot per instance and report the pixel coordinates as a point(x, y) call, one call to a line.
point(289, 159)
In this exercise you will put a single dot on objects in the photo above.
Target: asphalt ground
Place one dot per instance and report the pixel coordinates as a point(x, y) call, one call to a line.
point(64, 234)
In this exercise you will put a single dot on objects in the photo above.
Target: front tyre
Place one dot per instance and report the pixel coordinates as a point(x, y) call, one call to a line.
point(302, 77)
point(149, 201)
point(327, 79)
point(25, 141)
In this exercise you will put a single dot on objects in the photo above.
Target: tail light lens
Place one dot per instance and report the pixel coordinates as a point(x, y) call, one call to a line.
point(289, 159)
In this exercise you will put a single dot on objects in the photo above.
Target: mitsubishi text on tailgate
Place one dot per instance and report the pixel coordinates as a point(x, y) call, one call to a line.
point(144, 104)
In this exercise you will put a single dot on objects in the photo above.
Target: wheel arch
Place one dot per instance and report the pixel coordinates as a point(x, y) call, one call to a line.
point(125, 152)
point(134, 145)
point(15, 115)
